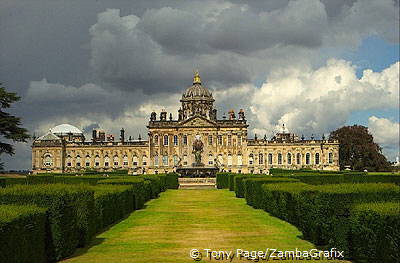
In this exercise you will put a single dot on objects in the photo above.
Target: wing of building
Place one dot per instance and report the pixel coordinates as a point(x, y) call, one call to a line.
point(173, 144)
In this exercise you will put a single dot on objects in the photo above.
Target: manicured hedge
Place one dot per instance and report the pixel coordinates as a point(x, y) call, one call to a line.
point(222, 180)
point(112, 203)
point(22, 234)
point(9, 181)
point(155, 184)
point(70, 210)
point(137, 183)
point(172, 181)
point(2, 182)
point(253, 192)
point(322, 212)
point(40, 179)
point(239, 184)
point(85, 179)
point(351, 178)
point(375, 232)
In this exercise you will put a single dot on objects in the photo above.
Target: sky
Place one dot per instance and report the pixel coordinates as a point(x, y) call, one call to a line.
point(313, 65)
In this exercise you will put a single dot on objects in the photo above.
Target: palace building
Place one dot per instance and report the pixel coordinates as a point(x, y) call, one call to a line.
point(197, 138)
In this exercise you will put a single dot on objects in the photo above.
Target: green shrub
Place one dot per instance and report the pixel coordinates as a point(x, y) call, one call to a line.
point(163, 181)
point(70, 211)
point(232, 181)
point(112, 203)
point(375, 232)
point(239, 184)
point(348, 178)
point(85, 179)
point(2, 182)
point(138, 188)
point(147, 190)
point(253, 192)
point(172, 181)
point(22, 234)
point(155, 184)
point(222, 181)
point(10, 181)
point(40, 179)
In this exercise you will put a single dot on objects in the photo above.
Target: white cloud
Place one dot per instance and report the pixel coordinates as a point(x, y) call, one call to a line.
point(385, 131)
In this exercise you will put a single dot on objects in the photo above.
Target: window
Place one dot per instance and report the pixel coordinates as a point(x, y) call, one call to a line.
point(210, 140)
point(176, 160)
point(48, 161)
point(239, 140)
point(144, 160)
point(116, 160)
point(239, 159)
point(270, 158)
point(185, 161)
point(135, 160)
point(307, 158)
point(156, 140)
point(210, 159)
point(260, 158)
point(298, 158)
point(87, 163)
point(185, 141)
point(106, 161)
point(330, 157)
point(279, 158)
point(251, 159)
point(165, 160)
point(125, 161)
point(229, 140)
point(78, 161)
point(316, 158)
point(97, 161)
point(229, 160)
point(166, 139)
point(69, 161)
point(175, 140)
point(156, 160)
point(289, 158)
point(219, 139)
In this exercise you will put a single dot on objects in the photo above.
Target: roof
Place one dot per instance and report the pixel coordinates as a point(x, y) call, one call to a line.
point(197, 91)
point(64, 129)
point(49, 137)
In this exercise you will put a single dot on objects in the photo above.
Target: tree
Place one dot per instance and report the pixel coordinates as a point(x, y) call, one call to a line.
point(9, 125)
point(358, 149)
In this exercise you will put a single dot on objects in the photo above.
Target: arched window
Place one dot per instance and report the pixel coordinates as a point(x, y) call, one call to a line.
point(219, 137)
point(125, 160)
point(316, 158)
point(175, 140)
point(48, 160)
point(69, 161)
point(165, 160)
point(229, 159)
point(289, 158)
point(210, 159)
point(87, 161)
point(156, 140)
point(144, 160)
point(308, 161)
point(176, 160)
point(330, 157)
point(251, 159)
point(220, 159)
point(298, 158)
point(116, 160)
point(106, 161)
point(260, 158)
point(210, 139)
point(78, 161)
point(166, 137)
point(239, 159)
point(270, 156)
point(135, 160)
point(185, 141)
point(156, 160)
point(97, 161)
point(279, 158)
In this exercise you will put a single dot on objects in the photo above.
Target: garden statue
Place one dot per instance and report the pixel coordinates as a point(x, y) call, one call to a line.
point(197, 151)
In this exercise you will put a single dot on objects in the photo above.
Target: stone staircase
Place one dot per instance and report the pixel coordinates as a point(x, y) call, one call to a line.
point(197, 183)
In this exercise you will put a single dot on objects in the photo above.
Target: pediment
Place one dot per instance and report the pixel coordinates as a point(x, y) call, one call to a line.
point(197, 121)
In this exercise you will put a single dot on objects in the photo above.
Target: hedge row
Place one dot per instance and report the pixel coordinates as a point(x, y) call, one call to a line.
point(375, 232)
point(171, 181)
point(22, 234)
point(323, 212)
point(69, 214)
point(239, 183)
point(341, 179)
point(222, 180)
point(2, 182)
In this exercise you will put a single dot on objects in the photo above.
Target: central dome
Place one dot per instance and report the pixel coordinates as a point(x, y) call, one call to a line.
point(65, 129)
point(197, 91)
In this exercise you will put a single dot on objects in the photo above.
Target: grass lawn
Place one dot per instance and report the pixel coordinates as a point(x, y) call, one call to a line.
point(180, 220)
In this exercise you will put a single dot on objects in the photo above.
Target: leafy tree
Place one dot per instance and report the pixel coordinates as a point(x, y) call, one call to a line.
point(9, 125)
point(358, 149)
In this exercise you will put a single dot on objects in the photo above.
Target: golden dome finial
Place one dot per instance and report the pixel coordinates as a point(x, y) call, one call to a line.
point(196, 78)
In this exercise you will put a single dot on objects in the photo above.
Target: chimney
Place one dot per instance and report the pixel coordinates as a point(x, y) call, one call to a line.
point(122, 136)
point(94, 135)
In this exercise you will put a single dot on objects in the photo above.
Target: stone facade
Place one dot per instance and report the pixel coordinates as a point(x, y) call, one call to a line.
point(170, 144)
